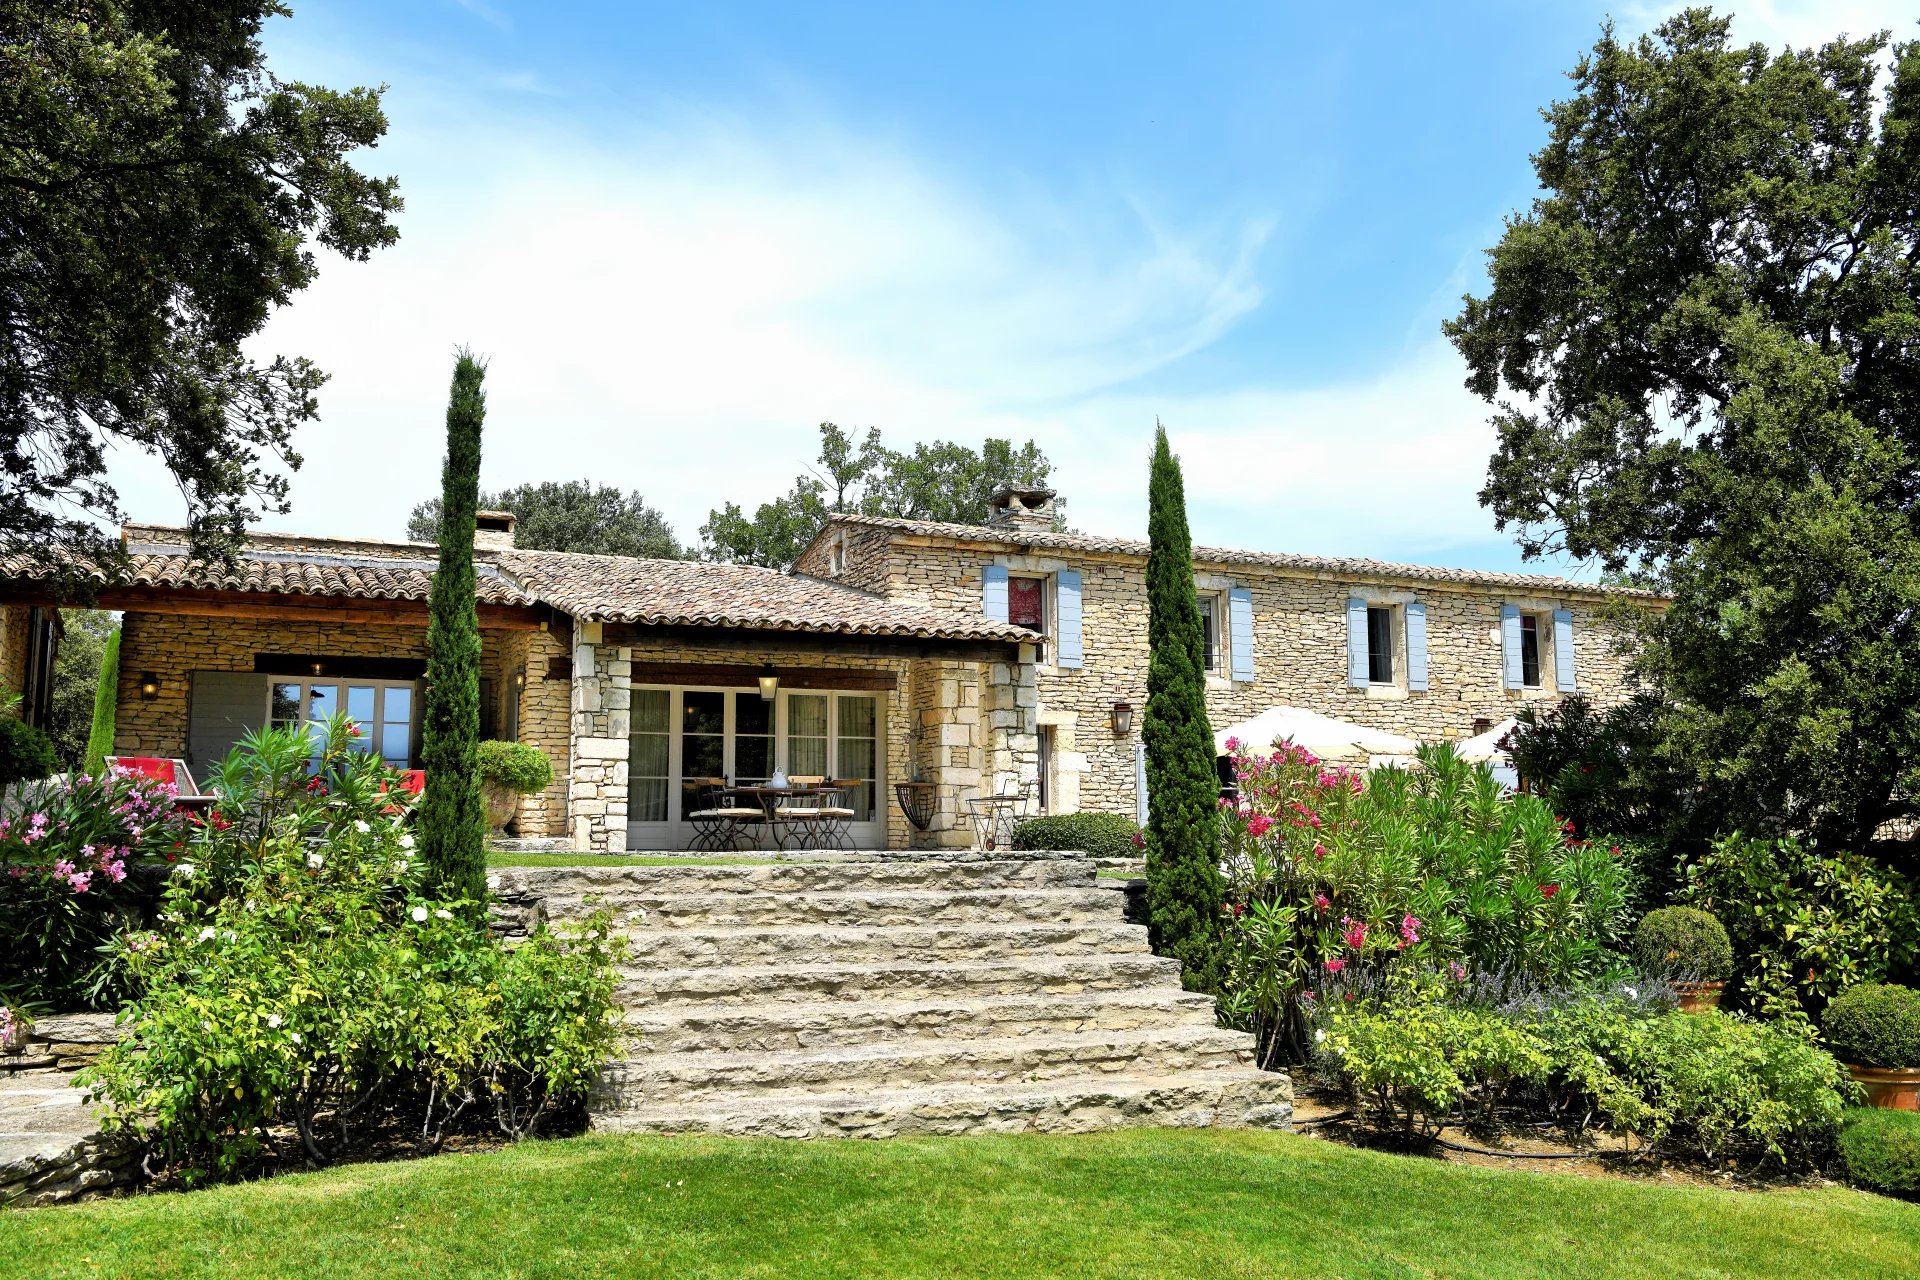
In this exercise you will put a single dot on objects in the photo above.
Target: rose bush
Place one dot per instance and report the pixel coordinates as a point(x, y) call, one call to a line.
point(1333, 871)
point(68, 849)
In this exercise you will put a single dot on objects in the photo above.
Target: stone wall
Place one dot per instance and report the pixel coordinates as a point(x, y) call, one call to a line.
point(51, 1151)
point(602, 717)
point(1300, 653)
point(545, 721)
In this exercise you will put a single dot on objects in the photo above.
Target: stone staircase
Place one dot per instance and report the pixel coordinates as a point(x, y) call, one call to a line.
point(892, 994)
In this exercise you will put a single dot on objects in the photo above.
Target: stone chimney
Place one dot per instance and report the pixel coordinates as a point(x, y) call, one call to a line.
point(1022, 510)
point(493, 531)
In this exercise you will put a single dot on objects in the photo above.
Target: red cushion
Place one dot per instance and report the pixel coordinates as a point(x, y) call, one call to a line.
point(414, 780)
point(146, 767)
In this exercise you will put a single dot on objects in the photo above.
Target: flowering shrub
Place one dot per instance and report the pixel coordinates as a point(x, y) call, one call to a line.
point(1333, 872)
point(65, 885)
point(302, 990)
point(1418, 1056)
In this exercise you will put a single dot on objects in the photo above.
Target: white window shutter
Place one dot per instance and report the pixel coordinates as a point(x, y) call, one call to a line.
point(1563, 650)
point(1068, 650)
point(1510, 667)
point(1140, 783)
point(1356, 642)
point(993, 592)
point(1417, 645)
point(1240, 631)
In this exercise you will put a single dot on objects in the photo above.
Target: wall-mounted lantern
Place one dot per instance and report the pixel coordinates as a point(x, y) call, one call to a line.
point(1122, 719)
point(769, 682)
point(519, 678)
point(317, 668)
point(149, 686)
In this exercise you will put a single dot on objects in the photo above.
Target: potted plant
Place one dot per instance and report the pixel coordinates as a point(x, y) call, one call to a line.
point(509, 770)
point(1875, 1029)
point(14, 1026)
point(1687, 948)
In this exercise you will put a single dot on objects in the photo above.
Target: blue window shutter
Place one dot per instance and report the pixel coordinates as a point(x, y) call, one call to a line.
point(1510, 645)
point(1416, 645)
point(993, 592)
point(1067, 649)
point(1356, 642)
point(1240, 631)
point(1563, 650)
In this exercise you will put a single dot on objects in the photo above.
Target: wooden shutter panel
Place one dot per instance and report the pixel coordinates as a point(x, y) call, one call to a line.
point(1416, 645)
point(1510, 645)
point(993, 592)
point(1563, 650)
point(1068, 650)
point(222, 708)
point(1240, 631)
point(1356, 642)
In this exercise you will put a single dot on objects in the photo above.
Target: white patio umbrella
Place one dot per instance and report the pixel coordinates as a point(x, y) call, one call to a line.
point(1326, 737)
point(1486, 746)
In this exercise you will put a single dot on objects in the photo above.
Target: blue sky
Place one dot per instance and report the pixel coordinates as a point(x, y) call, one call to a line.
point(686, 233)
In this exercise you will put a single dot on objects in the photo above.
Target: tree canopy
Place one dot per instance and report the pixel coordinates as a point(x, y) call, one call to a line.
point(161, 192)
point(941, 480)
point(1704, 344)
point(570, 515)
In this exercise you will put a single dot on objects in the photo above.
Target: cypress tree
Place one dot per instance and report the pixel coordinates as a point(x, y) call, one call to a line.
point(453, 821)
point(1184, 884)
point(106, 699)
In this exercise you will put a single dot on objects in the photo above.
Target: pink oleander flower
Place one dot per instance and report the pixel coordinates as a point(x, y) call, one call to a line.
point(1354, 931)
point(63, 868)
point(1258, 825)
point(1321, 902)
point(1319, 851)
point(80, 880)
point(1336, 964)
point(1409, 931)
point(1233, 745)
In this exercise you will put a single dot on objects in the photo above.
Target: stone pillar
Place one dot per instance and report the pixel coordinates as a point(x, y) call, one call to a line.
point(602, 716)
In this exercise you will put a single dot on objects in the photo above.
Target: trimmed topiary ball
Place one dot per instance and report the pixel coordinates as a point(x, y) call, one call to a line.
point(26, 753)
point(1103, 835)
point(1684, 943)
point(1876, 1024)
point(1880, 1150)
point(515, 766)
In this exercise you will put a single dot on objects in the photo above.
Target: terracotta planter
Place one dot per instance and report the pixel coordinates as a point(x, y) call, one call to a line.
point(1698, 997)
point(1890, 1088)
point(502, 802)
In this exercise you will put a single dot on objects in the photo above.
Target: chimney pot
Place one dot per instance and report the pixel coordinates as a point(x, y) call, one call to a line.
point(1026, 510)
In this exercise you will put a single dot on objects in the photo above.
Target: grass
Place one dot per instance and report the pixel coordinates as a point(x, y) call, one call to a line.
point(1141, 1203)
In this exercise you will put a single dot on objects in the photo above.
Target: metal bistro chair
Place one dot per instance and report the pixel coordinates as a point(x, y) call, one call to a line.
point(995, 816)
point(837, 813)
point(718, 821)
point(801, 819)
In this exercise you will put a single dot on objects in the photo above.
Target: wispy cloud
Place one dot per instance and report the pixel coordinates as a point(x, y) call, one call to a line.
point(486, 13)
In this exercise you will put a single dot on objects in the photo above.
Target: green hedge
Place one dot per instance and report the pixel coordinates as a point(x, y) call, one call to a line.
point(516, 766)
point(1876, 1024)
point(1683, 942)
point(1104, 835)
point(25, 752)
point(1880, 1150)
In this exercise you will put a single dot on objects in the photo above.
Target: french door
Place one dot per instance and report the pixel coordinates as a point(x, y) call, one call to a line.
point(684, 738)
point(387, 712)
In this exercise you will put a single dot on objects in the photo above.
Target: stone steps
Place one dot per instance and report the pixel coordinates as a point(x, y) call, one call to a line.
point(801, 1027)
point(672, 1078)
point(1237, 1097)
point(824, 944)
point(899, 994)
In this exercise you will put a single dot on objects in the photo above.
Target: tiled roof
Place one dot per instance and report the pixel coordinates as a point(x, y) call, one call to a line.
point(1340, 566)
point(693, 593)
point(281, 563)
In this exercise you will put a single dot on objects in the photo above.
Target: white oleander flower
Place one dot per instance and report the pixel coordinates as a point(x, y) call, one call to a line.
point(206, 933)
point(1319, 1037)
point(294, 1036)
point(406, 840)
point(361, 826)
point(444, 914)
point(315, 861)
point(419, 914)
point(273, 1020)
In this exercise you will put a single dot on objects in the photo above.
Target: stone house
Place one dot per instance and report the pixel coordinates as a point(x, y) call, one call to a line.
point(964, 658)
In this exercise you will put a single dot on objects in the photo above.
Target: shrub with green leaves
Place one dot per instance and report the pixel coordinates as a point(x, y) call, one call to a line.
point(1683, 943)
point(1804, 925)
point(1875, 1025)
point(1331, 870)
point(1880, 1150)
point(303, 988)
point(26, 753)
point(516, 766)
point(1103, 835)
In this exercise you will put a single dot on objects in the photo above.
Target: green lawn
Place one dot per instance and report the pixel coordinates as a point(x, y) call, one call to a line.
point(1145, 1203)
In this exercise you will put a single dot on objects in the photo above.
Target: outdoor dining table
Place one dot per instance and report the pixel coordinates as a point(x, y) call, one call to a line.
point(769, 798)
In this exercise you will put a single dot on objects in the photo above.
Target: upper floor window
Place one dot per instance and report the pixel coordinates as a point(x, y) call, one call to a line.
point(1027, 603)
point(837, 556)
point(1213, 630)
point(1530, 650)
point(1380, 644)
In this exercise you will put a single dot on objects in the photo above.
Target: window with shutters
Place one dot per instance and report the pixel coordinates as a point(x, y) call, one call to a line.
point(1380, 644)
point(1027, 603)
point(1213, 630)
point(1530, 650)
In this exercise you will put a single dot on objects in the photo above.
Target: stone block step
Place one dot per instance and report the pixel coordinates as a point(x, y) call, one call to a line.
point(829, 944)
point(871, 908)
point(811, 1025)
point(673, 1078)
point(1220, 1097)
point(805, 877)
point(896, 980)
